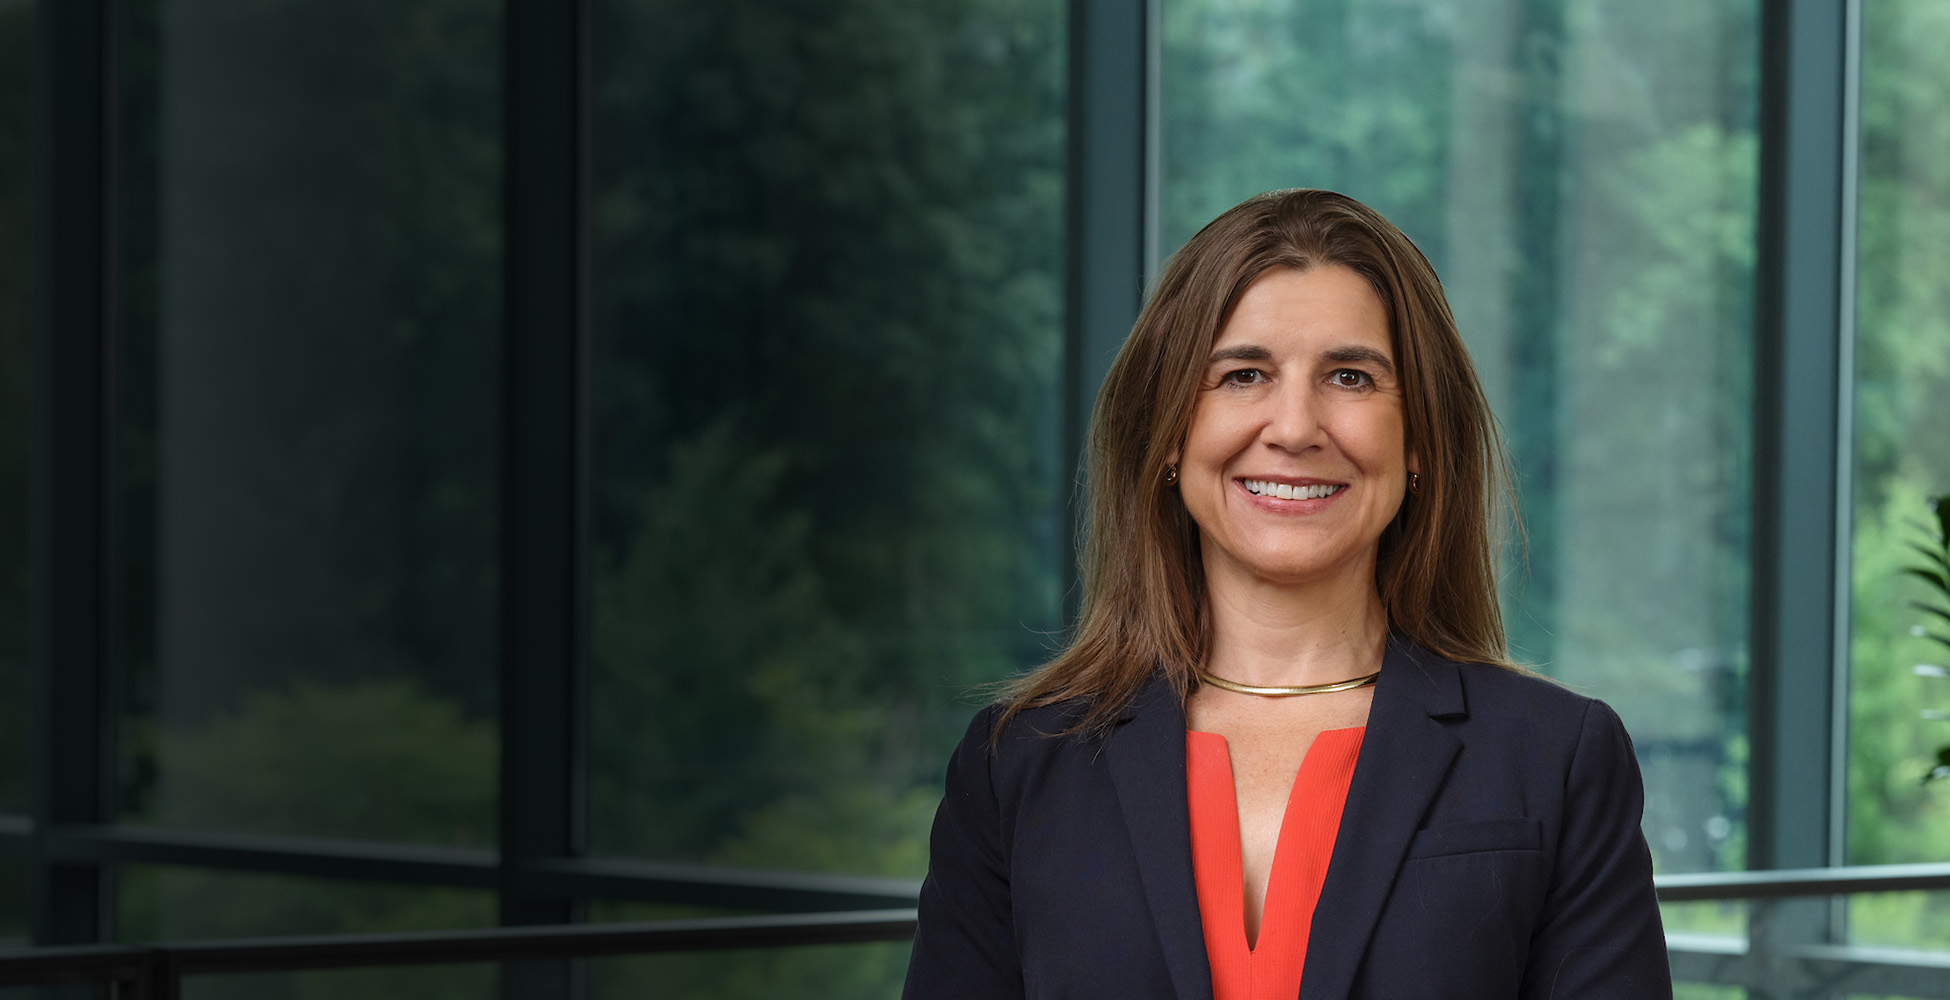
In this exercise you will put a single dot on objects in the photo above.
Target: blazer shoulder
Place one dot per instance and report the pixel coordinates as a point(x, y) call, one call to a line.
point(1489, 687)
point(1029, 733)
point(1504, 700)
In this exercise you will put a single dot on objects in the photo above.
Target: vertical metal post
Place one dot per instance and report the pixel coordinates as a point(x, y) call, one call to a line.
point(544, 464)
point(1106, 215)
point(70, 324)
point(1797, 679)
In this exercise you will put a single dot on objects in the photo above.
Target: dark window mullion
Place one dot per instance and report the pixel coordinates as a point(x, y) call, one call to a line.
point(1105, 217)
point(543, 473)
point(71, 91)
point(1800, 350)
point(544, 470)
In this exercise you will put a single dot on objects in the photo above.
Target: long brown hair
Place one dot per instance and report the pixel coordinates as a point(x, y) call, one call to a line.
point(1144, 602)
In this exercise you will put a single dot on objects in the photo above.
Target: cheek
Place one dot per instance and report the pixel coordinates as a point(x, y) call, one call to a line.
point(1210, 441)
point(1378, 439)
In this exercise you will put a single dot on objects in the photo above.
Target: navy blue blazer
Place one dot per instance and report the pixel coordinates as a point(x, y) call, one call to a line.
point(1489, 848)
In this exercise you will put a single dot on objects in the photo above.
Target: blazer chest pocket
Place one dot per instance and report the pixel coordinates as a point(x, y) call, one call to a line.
point(1517, 833)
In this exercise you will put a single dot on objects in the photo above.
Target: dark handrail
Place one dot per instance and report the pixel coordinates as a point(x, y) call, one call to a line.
point(499, 944)
point(1780, 883)
point(155, 972)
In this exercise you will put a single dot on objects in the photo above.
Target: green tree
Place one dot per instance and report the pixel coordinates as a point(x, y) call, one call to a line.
point(379, 760)
point(826, 315)
point(1583, 177)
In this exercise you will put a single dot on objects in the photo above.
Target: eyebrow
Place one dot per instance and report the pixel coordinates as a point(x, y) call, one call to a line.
point(1340, 355)
point(1357, 354)
point(1244, 352)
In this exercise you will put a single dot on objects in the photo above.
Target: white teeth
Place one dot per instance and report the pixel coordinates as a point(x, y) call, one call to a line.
point(1287, 491)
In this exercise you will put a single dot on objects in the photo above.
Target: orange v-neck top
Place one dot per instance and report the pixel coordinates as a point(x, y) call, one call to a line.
point(1270, 968)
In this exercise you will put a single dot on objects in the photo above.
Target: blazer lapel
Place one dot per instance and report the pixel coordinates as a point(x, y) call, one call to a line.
point(1147, 767)
point(1405, 757)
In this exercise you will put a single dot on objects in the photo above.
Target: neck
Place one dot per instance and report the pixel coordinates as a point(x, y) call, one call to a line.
point(1282, 635)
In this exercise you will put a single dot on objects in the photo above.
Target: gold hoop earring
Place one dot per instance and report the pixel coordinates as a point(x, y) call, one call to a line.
point(1171, 474)
point(1414, 483)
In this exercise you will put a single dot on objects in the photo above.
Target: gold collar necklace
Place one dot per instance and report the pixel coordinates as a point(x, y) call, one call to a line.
point(1286, 692)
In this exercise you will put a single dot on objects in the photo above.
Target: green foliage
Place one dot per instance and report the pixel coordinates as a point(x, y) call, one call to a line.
point(827, 298)
point(1902, 371)
point(380, 760)
point(815, 973)
point(1703, 991)
point(1891, 818)
point(1919, 920)
point(1935, 572)
point(435, 982)
point(176, 904)
point(1584, 179)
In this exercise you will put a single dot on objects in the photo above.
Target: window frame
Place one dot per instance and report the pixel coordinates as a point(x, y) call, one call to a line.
point(1798, 617)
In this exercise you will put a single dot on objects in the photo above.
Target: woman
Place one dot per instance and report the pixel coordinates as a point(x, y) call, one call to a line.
point(1285, 754)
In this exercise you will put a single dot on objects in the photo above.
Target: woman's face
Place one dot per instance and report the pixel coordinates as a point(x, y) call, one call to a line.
point(1295, 460)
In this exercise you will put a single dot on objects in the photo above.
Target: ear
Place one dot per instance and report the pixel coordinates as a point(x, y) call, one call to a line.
point(1176, 452)
point(1413, 461)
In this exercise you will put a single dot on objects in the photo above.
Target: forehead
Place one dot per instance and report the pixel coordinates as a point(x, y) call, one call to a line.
point(1286, 309)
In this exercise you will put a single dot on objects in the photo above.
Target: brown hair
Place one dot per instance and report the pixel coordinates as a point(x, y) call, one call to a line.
point(1143, 583)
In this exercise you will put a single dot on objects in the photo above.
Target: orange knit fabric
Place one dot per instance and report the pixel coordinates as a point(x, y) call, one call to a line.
point(1270, 969)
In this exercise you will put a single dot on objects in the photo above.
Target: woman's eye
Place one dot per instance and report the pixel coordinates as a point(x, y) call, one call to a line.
point(1350, 378)
point(1244, 376)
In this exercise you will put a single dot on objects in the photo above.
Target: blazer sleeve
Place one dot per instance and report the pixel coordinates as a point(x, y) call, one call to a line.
point(1600, 935)
point(965, 944)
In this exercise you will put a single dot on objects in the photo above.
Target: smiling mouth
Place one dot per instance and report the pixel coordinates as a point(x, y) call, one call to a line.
point(1288, 491)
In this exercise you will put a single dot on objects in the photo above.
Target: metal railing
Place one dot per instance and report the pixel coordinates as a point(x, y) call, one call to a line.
point(157, 972)
point(1766, 959)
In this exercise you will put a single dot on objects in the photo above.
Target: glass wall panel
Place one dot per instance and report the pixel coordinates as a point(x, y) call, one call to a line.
point(17, 270)
point(1582, 175)
point(828, 477)
point(1704, 991)
point(14, 931)
point(307, 416)
point(428, 982)
point(1918, 921)
point(1717, 917)
point(867, 971)
point(159, 903)
point(1899, 649)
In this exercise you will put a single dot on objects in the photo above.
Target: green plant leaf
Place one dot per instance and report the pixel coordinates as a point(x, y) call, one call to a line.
point(1931, 609)
point(1942, 505)
point(1936, 558)
point(1938, 637)
point(1934, 578)
point(1942, 767)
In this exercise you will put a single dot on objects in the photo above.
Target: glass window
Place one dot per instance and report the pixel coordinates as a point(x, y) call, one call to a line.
point(1582, 175)
point(1902, 457)
point(828, 477)
point(420, 982)
point(166, 903)
point(307, 417)
point(16, 389)
point(14, 931)
point(1703, 991)
point(808, 972)
point(1916, 921)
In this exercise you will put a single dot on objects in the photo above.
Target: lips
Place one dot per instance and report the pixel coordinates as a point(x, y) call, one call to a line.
point(1291, 491)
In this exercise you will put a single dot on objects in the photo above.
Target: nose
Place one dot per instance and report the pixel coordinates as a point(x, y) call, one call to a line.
point(1294, 418)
